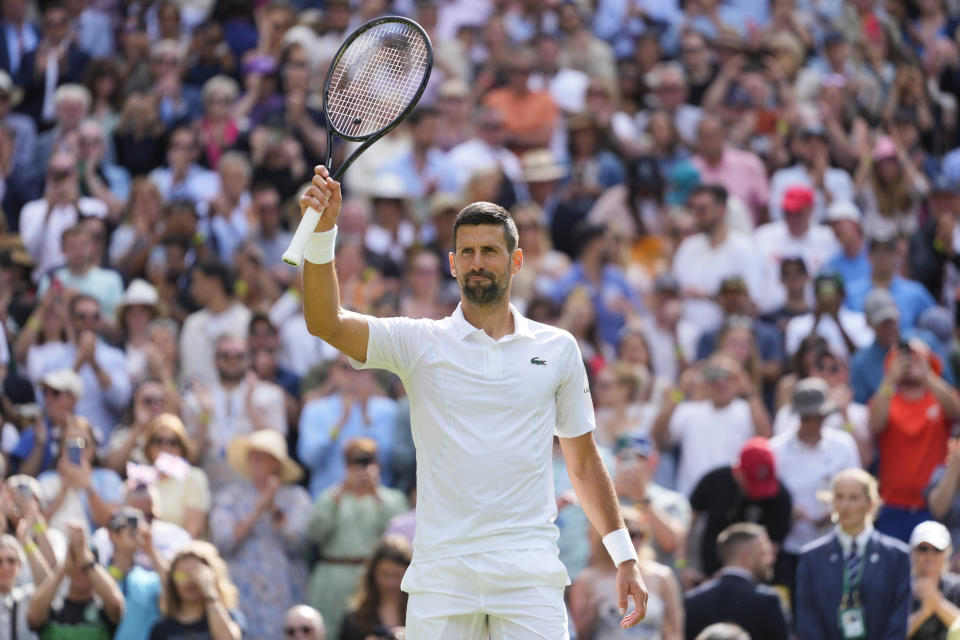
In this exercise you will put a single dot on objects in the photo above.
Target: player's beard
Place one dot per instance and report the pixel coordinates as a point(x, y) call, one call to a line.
point(483, 293)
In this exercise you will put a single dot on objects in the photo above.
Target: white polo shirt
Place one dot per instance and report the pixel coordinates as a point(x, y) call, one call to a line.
point(483, 414)
point(806, 470)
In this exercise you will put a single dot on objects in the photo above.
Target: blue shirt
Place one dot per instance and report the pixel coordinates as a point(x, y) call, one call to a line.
point(141, 592)
point(436, 170)
point(852, 270)
point(613, 287)
point(911, 298)
point(866, 366)
point(321, 450)
point(25, 445)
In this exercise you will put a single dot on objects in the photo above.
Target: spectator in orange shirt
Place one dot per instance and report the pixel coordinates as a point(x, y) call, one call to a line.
point(910, 414)
point(528, 116)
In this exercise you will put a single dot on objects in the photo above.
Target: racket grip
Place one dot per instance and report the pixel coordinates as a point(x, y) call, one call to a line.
point(294, 253)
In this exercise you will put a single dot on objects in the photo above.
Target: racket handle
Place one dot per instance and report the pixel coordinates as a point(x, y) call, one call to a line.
point(294, 253)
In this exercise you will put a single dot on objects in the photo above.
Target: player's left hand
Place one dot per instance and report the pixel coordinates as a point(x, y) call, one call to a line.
point(630, 583)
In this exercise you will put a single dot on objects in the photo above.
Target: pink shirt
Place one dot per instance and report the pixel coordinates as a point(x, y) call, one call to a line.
point(742, 174)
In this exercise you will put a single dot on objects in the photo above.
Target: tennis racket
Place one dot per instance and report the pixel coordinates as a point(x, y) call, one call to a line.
point(374, 82)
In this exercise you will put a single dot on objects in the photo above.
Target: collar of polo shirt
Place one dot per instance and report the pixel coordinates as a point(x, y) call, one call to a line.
point(521, 326)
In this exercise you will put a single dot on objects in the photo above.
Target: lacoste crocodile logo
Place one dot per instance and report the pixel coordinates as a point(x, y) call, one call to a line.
point(536, 360)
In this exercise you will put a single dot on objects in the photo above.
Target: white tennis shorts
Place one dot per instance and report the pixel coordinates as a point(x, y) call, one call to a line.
point(507, 595)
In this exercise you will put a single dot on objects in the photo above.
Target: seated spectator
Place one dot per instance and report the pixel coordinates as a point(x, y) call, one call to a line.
point(259, 525)
point(528, 116)
point(305, 621)
point(183, 489)
point(671, 337)
point(14, 598)
point(22, 513)
point(199, 598)
point(82, 273)
point(238, 404)
point(795, 281)
point(355, 406)
point(79, 490)
point(911, 297)
point(141, 588)
point(137, 307)
point(890, 188)
point(804, 456)
point(746, 491)
point(943, 501)
point(875, 569)
point(101, 367)
point(36, 449)
point(43, 221)
point(851, 262)
point(99, 176)
point(911, 415)
point(738, 594)
point(127, 442)
point(379, 606)
point(867, 364)
point(346, 523)
point(797, 234)
point(593, 597)
point(617, 411)
point(167, 538)
point(813, 171)
point(92, 605)
point(183, 178)
point(667, 512)
point(845, 330)
point(936, 590)
point(731, 414)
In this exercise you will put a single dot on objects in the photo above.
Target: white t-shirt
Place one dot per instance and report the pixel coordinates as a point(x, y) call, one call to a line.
point(854, 324)
point(806, 470)
point(697, 265)
point(483, 415)
point(774, 243)
point(709, 437)
point(787, 421)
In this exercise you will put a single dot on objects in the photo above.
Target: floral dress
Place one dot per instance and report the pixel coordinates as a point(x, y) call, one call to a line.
point(267, 567)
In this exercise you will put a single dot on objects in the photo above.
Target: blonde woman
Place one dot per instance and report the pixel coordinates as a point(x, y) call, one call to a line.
point(855, 577)
point(198, 597)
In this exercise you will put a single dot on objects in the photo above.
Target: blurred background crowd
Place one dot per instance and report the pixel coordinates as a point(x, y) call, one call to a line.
point(746, 212)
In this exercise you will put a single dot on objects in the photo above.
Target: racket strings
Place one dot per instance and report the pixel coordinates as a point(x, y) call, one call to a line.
point(376, 78)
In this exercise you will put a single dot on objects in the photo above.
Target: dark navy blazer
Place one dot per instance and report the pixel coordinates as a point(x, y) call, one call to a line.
point(884, 590)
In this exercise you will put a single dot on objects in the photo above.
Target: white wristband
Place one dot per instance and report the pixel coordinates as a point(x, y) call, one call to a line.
point(320, 247)
point(620, 546)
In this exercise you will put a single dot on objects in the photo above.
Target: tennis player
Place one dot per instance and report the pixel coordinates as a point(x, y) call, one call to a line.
point(488, 391)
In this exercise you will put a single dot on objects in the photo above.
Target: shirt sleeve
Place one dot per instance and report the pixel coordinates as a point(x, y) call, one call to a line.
point(575, 415)
point(395, 344)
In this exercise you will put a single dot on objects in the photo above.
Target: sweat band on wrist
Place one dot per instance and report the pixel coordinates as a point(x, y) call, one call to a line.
point(320, 247)
point(620, 546)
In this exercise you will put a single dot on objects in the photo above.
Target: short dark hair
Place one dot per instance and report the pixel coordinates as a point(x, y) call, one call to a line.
point(732, 539)
point(78, 298)
point(218, 270)
point(793, 260)
point(480, 213)
point(715, 191)
point(420, 114)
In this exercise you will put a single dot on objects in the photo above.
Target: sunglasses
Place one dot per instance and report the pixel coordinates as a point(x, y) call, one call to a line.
point(168, 442)
point(292, 631)
point(226, 355)
point(361, 461)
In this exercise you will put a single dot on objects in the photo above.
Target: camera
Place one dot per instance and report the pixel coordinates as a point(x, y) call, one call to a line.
point(75, 447)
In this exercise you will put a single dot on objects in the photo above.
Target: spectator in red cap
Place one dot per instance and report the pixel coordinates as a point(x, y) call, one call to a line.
point(746, 491)
point(911, 414)
point(795, 235)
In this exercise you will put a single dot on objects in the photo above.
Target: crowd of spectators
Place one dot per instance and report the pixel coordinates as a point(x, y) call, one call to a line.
point(746, 213)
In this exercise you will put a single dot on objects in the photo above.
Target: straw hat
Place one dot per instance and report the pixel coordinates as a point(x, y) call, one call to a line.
point(139, 292)
point(540, 165)
point(270, 442)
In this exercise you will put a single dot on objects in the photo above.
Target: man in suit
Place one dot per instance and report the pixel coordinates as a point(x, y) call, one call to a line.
point(738, 594)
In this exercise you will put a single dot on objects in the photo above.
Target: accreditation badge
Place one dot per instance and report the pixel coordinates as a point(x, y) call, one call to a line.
point(851, 623)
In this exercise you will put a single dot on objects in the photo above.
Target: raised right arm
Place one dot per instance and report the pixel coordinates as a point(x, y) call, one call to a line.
point(345, 330)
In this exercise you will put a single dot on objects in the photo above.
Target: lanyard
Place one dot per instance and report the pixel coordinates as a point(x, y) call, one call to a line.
point(851, 583)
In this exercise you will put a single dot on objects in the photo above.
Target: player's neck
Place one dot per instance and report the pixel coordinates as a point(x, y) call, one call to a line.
point(494, 319)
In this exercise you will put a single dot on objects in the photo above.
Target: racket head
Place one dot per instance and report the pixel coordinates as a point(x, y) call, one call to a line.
point(377, 77)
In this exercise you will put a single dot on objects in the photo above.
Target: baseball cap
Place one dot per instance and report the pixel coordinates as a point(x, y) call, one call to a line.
point(811, 398)
point(757, 469)
point(666, 283)
point(64, 380)
point(123, 516)
point(884, 148)
point(842, 210)
point(638, 445)
point(797, 198)
point(887, 240)
point(879, 307)
point(733, 284)
point(944, 184)
point(932, 533)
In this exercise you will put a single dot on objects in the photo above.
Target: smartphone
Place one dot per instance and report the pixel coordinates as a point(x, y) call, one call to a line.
point(75, 447)
point(133, 522)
